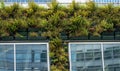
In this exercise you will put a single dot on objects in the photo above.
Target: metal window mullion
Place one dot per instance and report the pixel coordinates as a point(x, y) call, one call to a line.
point(14, 57)
point(48, 60)
point(70, 58)
point(102, 51)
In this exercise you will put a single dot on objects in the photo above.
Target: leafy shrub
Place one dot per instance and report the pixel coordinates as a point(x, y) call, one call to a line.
point(33, 34)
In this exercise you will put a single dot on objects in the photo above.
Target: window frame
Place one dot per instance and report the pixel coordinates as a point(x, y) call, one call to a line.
point(83, 43)
point(19, 43)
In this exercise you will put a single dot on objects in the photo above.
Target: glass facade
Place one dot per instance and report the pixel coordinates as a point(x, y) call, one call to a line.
point(99, 56)
point(24, 57)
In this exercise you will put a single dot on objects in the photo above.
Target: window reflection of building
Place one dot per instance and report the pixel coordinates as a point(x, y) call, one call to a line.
point(6, 58)
point(112, 57)
point(92, 57)
point(31, 57)
point(28, 57)
point(86, 58)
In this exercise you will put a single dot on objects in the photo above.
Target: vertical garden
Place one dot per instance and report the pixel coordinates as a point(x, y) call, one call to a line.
point(57, 24)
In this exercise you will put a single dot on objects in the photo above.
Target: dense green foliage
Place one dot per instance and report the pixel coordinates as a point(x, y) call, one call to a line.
point(74, 20)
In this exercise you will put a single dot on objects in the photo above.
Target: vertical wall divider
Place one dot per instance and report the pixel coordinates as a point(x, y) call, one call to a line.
point(102, 51)
point(69, 57)
point(14, 57)
point(48, 60)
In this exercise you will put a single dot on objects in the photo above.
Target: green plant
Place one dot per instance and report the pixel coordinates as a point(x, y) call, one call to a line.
point(76, 28)
point(106, 26)
point(91, 6)
point(3, 34)
point(61, 14)
point(18, 35)
point(44, 14)
point(54, 5)
point(33, 6)
point(2, 5)
point(33, 34)
point(22, 23)
point(32, 22)
point(12, 25)
point(74, 6)
point(58, 55)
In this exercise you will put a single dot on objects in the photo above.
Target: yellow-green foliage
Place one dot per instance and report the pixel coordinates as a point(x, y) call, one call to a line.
point(75, 20)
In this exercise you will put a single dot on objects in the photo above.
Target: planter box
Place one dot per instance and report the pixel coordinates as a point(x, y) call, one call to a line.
point(95, 38)
point(63, 34)
point(64, 37)
point(6, 38)
point(108, 36)
point(108, 33)
point(33, 29)
point(21, 38)
point(37, 38)
point(79, 38)
point(22, 30)
point(117, 35)
point(43, 38)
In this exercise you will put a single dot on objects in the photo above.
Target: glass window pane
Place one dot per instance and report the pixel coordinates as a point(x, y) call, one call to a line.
point(112, 56)
point(97, 55)
point(43, 57)
point(6, 57)
point(80, 56)
point(87, 56)
point(29, 55)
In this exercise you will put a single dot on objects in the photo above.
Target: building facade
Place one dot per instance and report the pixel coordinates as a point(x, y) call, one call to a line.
point(24, 57)
point(94, 56)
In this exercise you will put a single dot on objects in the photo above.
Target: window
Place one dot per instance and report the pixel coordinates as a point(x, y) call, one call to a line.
point(89, 55)
point(86, 55)
point(116, 52)
point(94, 68)
point(108, 54)
point(27, 57)
point(37, 57)
point(80, 56)
point(97, 55)
point(6, 57)
point(43, 57)
point(80, 69)
point(94, 56)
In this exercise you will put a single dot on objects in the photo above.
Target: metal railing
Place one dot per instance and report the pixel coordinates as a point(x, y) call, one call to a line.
point(106, 2)
point(98, 2)
point(25, 1)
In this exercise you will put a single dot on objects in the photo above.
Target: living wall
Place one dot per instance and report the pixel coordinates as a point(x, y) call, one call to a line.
point(56, 24)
